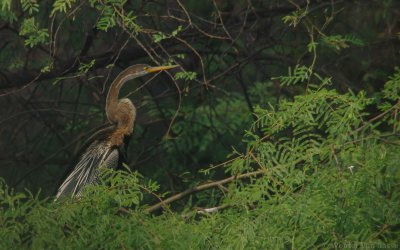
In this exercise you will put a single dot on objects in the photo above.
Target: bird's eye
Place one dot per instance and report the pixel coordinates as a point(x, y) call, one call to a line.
point(146, 68)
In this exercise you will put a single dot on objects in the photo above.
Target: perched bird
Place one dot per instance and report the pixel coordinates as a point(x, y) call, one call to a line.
point(106, 146)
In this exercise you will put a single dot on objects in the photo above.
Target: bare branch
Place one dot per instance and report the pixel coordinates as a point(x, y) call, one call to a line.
point(201, 188)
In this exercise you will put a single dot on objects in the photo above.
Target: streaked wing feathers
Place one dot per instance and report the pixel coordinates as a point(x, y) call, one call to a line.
point(98, 154)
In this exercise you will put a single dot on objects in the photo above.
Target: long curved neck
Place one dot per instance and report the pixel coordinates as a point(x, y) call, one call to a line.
point(112, 108)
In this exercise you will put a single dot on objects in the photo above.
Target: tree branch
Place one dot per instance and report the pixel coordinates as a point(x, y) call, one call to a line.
point(202, 187)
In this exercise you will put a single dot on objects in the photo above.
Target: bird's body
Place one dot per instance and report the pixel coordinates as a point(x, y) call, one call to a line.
point(105, 148)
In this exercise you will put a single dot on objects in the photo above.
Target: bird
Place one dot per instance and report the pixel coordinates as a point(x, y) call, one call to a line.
point(106, 146)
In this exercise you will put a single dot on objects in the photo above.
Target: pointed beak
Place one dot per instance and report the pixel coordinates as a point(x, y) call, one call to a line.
point(160, 68)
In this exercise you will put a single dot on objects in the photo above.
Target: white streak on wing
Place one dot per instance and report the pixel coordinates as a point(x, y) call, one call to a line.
point(83, 175)
point(86, 170)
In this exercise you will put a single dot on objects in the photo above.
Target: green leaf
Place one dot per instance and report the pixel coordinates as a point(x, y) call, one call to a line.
point(61, 6)
point(34, 35)
point(186, 75)
point(30, 6)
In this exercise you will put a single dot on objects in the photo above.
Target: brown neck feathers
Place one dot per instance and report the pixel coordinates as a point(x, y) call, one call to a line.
point(112, 97)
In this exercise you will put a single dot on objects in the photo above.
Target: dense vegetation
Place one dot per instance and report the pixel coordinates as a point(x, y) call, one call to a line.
point(280, 130)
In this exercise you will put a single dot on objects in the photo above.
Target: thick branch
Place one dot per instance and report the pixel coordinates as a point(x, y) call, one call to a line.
point(202, 187)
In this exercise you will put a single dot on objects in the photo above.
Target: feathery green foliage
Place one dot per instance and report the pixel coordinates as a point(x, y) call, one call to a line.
point(310, 159)
point(330, 175)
